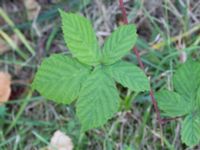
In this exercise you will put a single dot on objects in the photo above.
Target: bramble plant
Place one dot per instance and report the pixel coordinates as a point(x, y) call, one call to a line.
point(184, 101)
point(89, 75)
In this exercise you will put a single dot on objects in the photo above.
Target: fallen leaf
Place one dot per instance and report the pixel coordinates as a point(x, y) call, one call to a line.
point(33, 8)
point(5, 89)
point(60, 141)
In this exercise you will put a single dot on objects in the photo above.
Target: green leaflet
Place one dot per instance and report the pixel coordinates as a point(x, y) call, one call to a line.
point(129, 76)
point(119, 43)
point(59, 78)
point(172, 103)
point(187, 80)
point(197, 104)
point(190, 133)
point(98, 101)
point(80, 38)
point(186, 101)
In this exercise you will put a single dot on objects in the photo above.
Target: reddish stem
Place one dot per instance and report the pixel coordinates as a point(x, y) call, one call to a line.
point(121, 5)
point(155, 106)
point(170, 119)
point(138, 58)
point(125, 19)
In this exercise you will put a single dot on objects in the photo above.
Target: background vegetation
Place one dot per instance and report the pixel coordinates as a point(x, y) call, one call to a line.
point(31, 30)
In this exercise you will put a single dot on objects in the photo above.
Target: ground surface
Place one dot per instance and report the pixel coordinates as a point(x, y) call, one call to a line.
point(168, 34)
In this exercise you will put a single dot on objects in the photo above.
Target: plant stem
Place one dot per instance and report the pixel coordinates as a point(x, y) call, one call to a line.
point(125, 19)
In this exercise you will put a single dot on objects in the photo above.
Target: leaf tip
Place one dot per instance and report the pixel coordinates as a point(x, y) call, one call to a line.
point(60, 11)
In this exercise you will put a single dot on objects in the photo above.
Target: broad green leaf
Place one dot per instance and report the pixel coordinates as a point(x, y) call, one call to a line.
point(172, 103)
point(197, 102)
point(59, 78)
point(80, 38)
point(187, 80)
point(119, 43)
point(190, 133)
point(98, 100)
point(128, 75)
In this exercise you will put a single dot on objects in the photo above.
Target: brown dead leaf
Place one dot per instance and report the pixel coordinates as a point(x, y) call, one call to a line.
point(60, 141)
point(33, 8)
point(5, 89)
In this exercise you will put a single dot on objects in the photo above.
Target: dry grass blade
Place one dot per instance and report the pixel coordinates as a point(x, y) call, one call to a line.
point(3, 46)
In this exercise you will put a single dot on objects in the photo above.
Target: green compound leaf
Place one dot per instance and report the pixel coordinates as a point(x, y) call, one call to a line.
point(80, 38)
point(59, 78)
point(119, 43)
point(185, 101)
point(98, 101)
point(198, 98)
point(172, 103)
point(187, 80)
point(190, 133)
point(129, 76)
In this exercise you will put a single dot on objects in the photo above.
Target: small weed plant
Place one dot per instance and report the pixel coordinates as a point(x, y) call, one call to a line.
point(90, 73)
